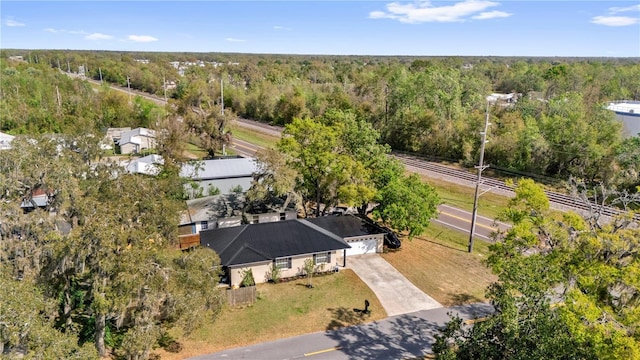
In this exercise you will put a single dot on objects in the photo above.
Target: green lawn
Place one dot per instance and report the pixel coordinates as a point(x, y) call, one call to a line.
point(193, 151)
point(284, 310)
point(253, 137)
point(489, 204)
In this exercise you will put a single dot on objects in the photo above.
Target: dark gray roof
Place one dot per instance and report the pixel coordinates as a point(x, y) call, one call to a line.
point(346, 226)
point(268, 241)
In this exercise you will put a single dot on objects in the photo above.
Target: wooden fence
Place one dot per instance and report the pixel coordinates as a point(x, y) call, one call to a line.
point(241, 296)
point(188, 241)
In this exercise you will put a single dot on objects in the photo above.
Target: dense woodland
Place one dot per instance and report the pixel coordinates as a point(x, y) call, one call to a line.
point(433, 106)
point(104, 274)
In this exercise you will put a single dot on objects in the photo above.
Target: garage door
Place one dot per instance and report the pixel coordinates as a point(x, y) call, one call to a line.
point(362, 247)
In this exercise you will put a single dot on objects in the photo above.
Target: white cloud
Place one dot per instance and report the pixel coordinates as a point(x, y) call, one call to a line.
point(141, 38)
point(424, 11)
point(614, 20)
point(235, 40)
point(74, 32)
point(615, 10)
point(98, 36)
point(13, 23)
point(277, 27)
point(611, 19)
point(491, 15)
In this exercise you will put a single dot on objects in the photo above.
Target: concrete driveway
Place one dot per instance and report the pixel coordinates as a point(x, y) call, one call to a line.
point(396, 294)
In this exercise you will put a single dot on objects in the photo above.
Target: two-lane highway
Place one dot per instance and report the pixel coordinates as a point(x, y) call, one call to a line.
point(460, 220)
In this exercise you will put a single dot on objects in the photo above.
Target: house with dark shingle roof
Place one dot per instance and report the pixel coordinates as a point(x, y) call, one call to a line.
point(362, 236)
point(287, 244)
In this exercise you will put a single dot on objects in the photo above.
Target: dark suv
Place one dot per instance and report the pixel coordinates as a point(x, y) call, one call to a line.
point(391, 239)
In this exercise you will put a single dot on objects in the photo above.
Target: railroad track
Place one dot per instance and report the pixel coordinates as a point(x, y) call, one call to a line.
point(561, 201)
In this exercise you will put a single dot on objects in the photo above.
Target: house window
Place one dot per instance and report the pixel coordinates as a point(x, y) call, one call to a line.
point(322, 258)
point(204, 225)
point(283, 263)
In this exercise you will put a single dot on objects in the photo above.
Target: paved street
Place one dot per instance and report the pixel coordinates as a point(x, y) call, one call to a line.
point(397, 337)
point(460, 220)
point(396, 294)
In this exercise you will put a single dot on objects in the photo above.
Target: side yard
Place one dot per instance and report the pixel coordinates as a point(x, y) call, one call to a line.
point(438, 264)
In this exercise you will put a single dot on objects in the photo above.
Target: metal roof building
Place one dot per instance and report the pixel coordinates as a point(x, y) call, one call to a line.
point(628, 112)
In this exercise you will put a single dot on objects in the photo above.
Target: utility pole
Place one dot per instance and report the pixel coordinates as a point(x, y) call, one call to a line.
point(480, 168)
point(100, 71)
point(129, 87)
point(164, 87)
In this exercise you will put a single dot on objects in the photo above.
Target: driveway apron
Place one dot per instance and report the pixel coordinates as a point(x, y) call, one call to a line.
point(396, 294)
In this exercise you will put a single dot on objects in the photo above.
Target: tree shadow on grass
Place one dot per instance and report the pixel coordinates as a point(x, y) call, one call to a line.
point(342, 317)
point(440, 244)
point(463, 298)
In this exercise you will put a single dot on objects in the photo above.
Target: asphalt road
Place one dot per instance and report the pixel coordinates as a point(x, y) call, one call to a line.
point(396, 337)
point(245, 148)
point(458, 219)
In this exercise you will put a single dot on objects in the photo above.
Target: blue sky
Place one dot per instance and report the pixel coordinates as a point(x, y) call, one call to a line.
point(423, 28)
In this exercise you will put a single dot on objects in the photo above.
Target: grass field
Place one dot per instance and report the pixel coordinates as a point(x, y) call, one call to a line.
point(489, 204)
point(253, 137)
point(194, 152)
point(284, 310)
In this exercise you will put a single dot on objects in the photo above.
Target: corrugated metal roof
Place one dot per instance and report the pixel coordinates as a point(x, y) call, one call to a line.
point(219, 169)
point(630, 107)
point(133, 136)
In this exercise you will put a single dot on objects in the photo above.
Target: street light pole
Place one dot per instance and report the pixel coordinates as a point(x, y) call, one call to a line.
point(480, 168)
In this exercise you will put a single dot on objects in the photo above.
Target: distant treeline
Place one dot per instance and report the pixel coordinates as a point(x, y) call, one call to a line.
point(431, 105)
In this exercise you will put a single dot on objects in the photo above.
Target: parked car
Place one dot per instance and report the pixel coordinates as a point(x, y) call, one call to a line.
point(391, 239)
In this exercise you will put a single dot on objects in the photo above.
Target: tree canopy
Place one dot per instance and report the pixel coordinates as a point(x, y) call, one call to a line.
point(567, 288)
point(337, 159)
point(97, 246)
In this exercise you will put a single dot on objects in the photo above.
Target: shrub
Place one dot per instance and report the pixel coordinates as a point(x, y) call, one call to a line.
point(275, 273)
point(247, 278)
